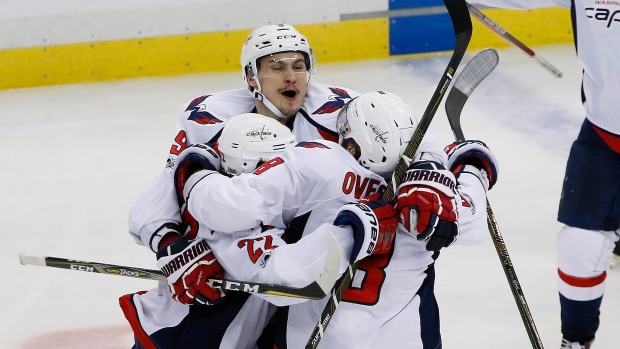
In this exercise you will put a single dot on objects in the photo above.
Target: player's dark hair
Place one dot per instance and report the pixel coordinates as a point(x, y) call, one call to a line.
point(350, 142)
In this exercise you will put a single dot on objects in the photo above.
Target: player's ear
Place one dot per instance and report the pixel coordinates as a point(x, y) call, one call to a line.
point(252, 81)
point(250, 78)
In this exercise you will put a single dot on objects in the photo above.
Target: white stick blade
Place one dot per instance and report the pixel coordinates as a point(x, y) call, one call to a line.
point(31, 259)
point(329, 274)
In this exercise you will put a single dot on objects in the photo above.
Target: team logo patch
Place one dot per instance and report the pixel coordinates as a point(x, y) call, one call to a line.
point(199, 114)
point(336, 101)
point(379, 133)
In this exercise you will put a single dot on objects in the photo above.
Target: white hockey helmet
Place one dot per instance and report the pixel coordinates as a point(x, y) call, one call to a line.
point(270, 39)
point(382, 125)
point(249, 139)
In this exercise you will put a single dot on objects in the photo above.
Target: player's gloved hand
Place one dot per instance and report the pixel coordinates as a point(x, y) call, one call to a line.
point(188, 264)
point(427, 204)
point(477, 154)
point(366, 227)
point(388, 222)
point(192, 159)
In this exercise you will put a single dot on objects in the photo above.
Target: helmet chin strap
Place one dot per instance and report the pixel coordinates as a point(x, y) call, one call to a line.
point(258, 95)
point(261, 97)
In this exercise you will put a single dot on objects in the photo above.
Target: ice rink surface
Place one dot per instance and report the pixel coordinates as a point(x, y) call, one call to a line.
point(75, 157)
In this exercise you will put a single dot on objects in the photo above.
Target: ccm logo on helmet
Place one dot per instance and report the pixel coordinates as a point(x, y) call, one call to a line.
point(602, 14)
point(289, 36)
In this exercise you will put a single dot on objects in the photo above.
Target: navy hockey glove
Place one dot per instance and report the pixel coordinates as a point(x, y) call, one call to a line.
point(374, 226)
point(427, 206)
point(188, 264)
point(475, 153)
point(192, 159)
point(365, 226)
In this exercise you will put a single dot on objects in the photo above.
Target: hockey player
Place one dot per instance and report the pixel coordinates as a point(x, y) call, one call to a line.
point(390, 302)
point(247, 141)
point(277, 63)
point(590, 202)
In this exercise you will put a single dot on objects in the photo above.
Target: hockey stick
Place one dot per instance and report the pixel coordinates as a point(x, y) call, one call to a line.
point(474, 72)
point(484, 19)
point(461, 22)
point(316, 290)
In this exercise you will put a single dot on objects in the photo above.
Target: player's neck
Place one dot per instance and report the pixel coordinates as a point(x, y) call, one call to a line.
point(261, 108)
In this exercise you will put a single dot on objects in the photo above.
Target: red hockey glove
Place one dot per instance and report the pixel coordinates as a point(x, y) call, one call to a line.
point(188, 264)
point(427, 206)
point(388, 222)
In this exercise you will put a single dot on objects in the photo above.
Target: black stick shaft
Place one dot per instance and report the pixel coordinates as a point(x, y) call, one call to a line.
point(474, 72)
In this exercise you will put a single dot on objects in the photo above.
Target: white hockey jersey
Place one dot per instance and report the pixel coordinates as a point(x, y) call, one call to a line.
point(596, 24)
point(201, 121)
point(300, 191)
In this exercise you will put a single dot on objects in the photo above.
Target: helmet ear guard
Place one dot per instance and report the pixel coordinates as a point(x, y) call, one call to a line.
point(381, 124)
point(250, 139)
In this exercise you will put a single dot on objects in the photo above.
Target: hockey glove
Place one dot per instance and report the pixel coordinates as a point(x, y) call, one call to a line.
point(371, 224)
point(188, 264)
point(475, 153)
point(192, 159)
point(427, 206)
point(388, 222)
point(365, 226)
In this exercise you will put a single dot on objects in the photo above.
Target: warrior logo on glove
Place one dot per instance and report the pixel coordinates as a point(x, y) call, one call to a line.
point(195, 250)
point(427, 204)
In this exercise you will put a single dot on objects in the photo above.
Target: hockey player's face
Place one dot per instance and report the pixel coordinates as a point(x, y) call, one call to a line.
point(283, 80)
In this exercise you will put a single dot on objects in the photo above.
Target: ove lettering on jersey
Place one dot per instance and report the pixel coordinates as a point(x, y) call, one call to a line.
point(362, 186)
point(430, 176)
point(336, 101)
point(189, 255)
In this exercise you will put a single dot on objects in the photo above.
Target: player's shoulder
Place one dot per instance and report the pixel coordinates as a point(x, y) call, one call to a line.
point(203, 117)
point(326, 99)
point(218, 107)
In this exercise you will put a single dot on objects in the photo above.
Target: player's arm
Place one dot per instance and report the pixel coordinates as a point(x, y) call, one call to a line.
point(476, 171)
point(245, 201)
point(262, 256)
point(155, 215)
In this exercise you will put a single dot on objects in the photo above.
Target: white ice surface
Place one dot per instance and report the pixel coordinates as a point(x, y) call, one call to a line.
point(75, 157)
